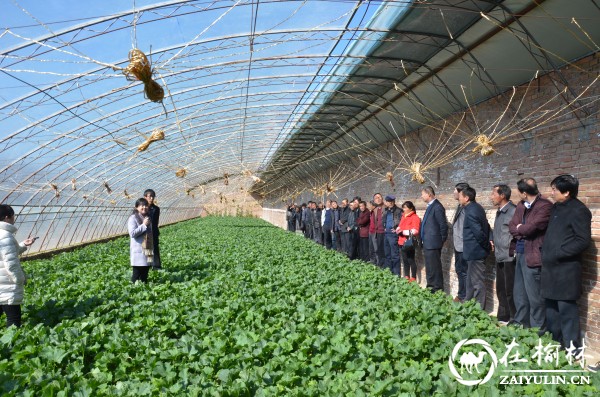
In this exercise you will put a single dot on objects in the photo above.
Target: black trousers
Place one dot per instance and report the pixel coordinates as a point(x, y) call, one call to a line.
point(327, 238)
point(433, 269)
point(363, 249)
point(505, 280)
point(13, 314)
point(409, 262)
point(140, 273)
point(338, 241)
point(156, 263)
point(562, 320)
point(354, 244)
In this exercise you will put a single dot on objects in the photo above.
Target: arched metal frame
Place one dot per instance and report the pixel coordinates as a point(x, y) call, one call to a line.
point(253, 89)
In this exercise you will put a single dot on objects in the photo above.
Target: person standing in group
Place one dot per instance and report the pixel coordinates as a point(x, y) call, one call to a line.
point(528, 225)
point(298, 221)
point(434, 232)
point(503, 247)
point(390, 220)
point(372, 256)
point(326, 223)
point(304, 219)
point(476, 245)
point(317, 229)
point(409, 227)
point(336, 238)
point(353, 239)
point(345, 233)
point(141, 245)
point(379, 236)
point(310, 219)
point(290, 216)
point(460, 265)
point(154, 214)
point(568, 235)
point(12, 276)
point(363, 222)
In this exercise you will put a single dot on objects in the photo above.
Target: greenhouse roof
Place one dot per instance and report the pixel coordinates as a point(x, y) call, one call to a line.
point(262, 92)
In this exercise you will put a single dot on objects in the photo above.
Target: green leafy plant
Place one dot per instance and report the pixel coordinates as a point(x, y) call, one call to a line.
point(242, 309)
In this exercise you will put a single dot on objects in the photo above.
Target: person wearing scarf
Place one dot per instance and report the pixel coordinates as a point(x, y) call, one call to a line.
point(141, 247)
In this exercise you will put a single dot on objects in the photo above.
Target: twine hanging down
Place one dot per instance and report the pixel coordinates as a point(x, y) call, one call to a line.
point(181, 173)
point(55, 188)
point(484, 145)
point(139, 69)
point(157, 135)
point(390, 178)
point(415, 170)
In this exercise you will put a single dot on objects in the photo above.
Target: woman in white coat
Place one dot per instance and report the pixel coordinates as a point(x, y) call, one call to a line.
point(141, 244)
point(12, 277)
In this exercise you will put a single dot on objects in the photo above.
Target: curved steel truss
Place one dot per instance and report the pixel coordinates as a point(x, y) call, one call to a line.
point(256, 93)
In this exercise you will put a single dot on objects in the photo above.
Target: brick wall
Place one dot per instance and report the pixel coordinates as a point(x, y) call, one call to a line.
point(569, 143)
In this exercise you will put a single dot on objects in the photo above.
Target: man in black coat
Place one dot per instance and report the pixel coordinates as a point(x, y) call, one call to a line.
point(476, 244)
point(154, 214)
point(343, 222)
point(567, 236)
point(434, 232)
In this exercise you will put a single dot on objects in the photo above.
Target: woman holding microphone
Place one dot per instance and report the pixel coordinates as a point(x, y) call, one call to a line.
point(141, 244)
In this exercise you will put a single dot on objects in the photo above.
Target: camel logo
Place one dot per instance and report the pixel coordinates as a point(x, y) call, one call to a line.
point(470, 362)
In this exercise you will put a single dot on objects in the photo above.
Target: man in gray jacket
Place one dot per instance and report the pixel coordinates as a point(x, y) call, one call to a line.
point(503, 246)
point(457, 238)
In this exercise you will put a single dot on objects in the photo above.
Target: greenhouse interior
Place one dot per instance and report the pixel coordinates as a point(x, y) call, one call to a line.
point(278, 147)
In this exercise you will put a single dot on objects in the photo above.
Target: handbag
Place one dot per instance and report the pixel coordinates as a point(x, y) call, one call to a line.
point(410, 244)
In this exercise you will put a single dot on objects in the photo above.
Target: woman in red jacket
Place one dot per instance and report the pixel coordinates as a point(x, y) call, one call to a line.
point(363, 222)
point(410, 223)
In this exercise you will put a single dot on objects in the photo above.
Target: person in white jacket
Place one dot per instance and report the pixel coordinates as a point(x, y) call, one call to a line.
point(141, 244)
point(12, 277)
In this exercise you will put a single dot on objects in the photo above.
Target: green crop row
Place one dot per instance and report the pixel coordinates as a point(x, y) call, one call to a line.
point(242, 309)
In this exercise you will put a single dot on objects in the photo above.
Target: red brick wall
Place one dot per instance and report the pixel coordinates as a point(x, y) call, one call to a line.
point(566, 145)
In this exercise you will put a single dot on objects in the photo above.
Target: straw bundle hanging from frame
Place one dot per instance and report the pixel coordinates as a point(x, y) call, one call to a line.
point(139, 69)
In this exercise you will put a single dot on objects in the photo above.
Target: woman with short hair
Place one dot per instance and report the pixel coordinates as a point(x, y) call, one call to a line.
point(409, 225)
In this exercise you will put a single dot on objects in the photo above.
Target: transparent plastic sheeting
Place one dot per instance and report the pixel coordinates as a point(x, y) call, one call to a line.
point(236, 76)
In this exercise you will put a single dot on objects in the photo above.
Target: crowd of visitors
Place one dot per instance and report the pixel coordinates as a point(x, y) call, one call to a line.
point(537, 246)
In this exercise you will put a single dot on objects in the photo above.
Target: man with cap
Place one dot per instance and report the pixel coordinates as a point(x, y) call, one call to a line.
point(391, 219)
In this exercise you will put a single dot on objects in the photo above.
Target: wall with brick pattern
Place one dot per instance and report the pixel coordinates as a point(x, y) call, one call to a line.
point(568, 144)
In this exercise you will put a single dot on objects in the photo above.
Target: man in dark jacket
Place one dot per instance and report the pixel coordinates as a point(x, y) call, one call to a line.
point(434, 232)
point(344, 213)
point(309, 220)
point(528, 227)
point(336, 239)
point(390, 220)
point(154, 214)
point(568, 235)
point(476, 244)
point(460, 264)
point(352, 227)
point(326, 217)
point(317, 229)
point(504, 250)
